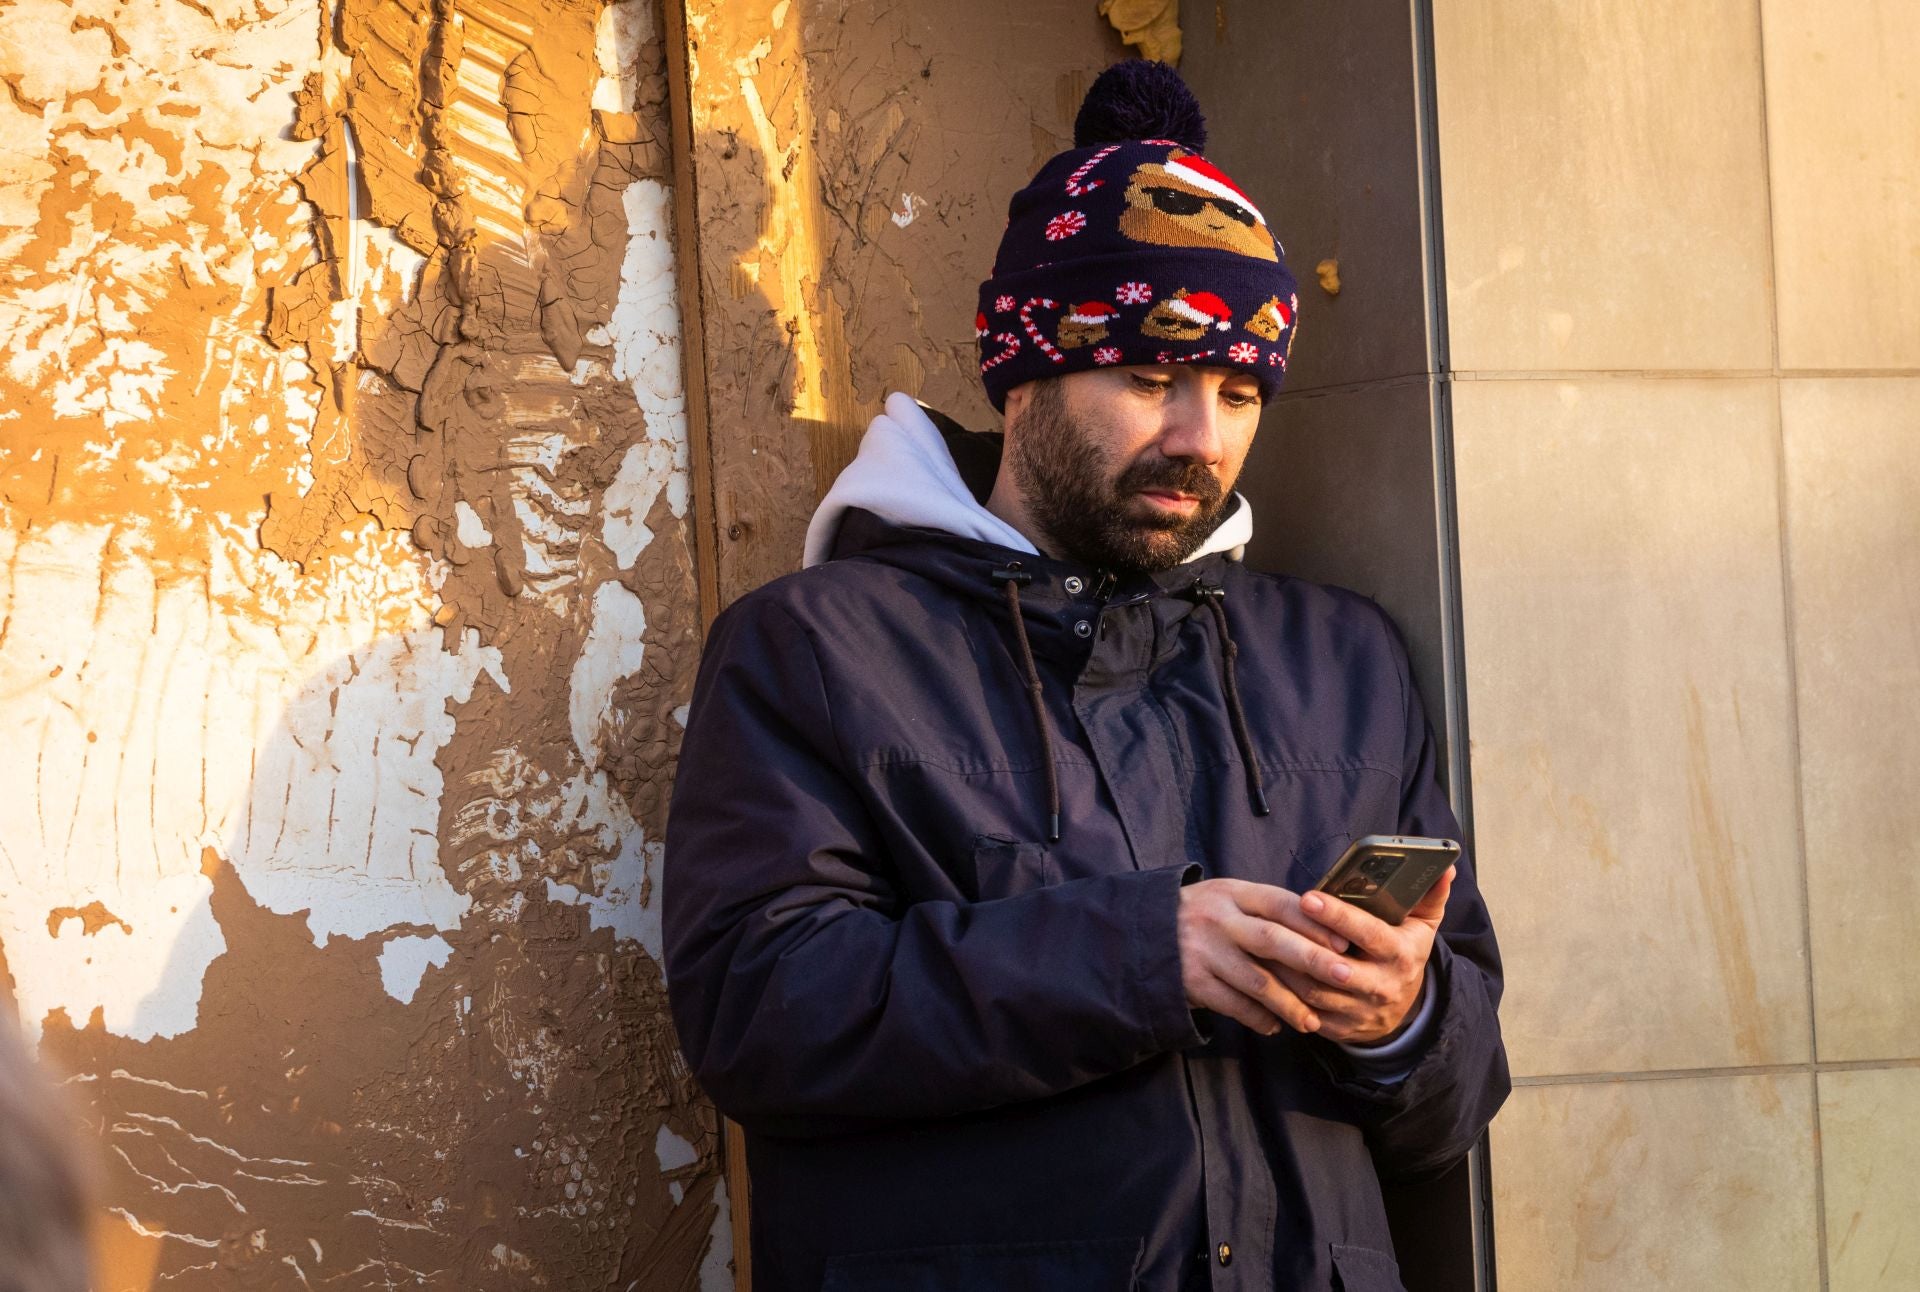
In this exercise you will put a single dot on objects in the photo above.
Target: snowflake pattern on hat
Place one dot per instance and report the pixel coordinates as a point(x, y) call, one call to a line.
point(1243, 352)
point(1107, 354)
point(1004, 304)
point(1065, 225)
point(1134, 293)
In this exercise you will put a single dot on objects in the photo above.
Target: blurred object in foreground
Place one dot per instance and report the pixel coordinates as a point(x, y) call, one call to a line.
point(43, 1209)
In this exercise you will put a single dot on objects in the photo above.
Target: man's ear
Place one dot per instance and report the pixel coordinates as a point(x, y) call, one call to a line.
point(1016, 404)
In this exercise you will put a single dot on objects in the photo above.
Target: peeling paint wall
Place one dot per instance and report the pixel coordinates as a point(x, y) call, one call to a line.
point(347, 617)
point(854, 162)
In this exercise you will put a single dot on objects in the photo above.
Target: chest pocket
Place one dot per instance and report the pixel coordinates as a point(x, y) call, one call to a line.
point(1002, 867)
point(1312, 860)
point(1364, 1269)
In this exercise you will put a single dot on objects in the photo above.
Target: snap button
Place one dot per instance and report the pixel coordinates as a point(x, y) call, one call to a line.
point(1225, 1254)
point(1075, 585)
point(1082, 629)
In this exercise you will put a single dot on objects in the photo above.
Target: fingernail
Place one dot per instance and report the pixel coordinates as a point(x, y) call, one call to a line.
point(1312, 903)
point(1341, 945)
point(1342, 972)
point(1312, 1025)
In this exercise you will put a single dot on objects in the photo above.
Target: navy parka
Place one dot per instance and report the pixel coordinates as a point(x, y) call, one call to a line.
point(961, 1050)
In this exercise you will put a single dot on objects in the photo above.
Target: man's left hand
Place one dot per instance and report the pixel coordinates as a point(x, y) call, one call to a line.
point(1386, 977)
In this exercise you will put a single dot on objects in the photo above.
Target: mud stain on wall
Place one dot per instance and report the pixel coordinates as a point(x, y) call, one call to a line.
point(346, 617)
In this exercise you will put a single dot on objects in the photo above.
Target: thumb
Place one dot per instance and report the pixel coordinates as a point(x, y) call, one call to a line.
point(1433, 907)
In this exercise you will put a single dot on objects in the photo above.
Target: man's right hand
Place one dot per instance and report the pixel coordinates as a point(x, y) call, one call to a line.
point(1227, 927)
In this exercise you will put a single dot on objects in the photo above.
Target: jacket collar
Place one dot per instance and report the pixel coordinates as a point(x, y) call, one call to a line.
point(920, 470)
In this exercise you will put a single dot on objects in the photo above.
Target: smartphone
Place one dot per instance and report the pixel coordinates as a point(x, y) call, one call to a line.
point(1387, 875)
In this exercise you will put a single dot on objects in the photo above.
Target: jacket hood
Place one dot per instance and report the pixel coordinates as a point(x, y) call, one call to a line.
point(918, 473)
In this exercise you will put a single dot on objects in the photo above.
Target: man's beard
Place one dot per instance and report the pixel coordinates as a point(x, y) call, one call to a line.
point(1059, 470)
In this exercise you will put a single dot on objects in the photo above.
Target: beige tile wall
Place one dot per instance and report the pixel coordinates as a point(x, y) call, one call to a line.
point(1683, 277)
point(1870, 1145)
point(1853, 509)
point(1726, 1162)
point(1843, 115)
point(1605, 185)
point(1631, 712)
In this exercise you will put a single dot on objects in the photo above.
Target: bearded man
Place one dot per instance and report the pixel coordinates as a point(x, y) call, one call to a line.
point(985, 868)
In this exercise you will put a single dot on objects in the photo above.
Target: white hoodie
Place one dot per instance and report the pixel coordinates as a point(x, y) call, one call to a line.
point(904, 475)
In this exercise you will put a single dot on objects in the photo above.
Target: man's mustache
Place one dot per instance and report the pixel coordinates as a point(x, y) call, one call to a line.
point(1172, 476)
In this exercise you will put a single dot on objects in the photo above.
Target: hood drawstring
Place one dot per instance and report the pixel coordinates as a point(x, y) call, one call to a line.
point(1013, 578)
point(1215, 598)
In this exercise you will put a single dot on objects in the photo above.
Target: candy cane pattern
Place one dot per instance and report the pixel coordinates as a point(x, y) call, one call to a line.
point(1026, 320)
point(1074, 187)
point(1007, 339)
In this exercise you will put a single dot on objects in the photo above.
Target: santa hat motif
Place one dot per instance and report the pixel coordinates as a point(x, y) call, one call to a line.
point(1208, 178)
point(1093, 312)
point(1203, 308)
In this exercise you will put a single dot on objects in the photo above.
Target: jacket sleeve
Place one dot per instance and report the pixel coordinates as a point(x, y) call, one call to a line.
point(809, 998)
point(1428, 1117)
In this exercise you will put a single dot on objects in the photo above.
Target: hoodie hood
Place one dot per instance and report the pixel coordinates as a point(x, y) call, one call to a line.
point(906, 474)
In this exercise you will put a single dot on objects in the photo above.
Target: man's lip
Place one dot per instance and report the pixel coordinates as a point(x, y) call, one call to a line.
point(1168, 498)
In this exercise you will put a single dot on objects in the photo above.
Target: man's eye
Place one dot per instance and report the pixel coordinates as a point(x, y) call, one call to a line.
point(1240, 398)
point(1151, 383)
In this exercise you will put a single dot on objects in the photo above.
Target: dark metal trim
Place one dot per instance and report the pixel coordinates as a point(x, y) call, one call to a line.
point(1447, 520)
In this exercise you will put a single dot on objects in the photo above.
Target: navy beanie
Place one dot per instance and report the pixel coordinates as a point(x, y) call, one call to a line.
point(1132, 248)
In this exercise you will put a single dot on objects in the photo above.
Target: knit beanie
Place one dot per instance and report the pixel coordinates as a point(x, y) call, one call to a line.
point(1132, 248)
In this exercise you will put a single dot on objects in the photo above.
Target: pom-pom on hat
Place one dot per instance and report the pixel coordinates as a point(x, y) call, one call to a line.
point(1133, 248)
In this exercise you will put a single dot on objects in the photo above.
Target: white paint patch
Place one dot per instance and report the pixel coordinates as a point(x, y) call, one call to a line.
point(617, 906)
point(645, 331)
point(206, 83)
point(468, 526)
point(618, 35)
point(614, 650)
point(600, 837)
point(716, 1268)
point(911, 204)
point(404, 961)
point(286, 721)
point(673, 1151)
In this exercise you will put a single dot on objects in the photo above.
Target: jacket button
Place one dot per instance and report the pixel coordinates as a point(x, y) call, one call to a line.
point(1082, 629)
point(1225, 1253)
point(1075, 585)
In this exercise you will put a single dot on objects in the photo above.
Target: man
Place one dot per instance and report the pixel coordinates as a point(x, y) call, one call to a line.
point(983, 869)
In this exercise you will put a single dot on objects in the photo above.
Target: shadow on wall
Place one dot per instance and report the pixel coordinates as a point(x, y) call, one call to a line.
point(480, 1098)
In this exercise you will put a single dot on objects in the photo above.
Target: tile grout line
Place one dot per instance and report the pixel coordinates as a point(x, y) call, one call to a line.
point(1813, 1069)
point(1783, 493)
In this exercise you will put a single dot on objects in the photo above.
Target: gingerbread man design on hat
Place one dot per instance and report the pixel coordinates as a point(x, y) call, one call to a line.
point(1086, 323)
point(1187, 316)
point(1187, 201)
point(1271, 319)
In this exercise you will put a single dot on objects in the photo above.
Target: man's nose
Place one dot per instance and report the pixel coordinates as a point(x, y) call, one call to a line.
point(1193, 430)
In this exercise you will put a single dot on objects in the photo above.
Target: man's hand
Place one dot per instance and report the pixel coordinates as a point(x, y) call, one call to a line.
point(1235, 935)
point(1371, 1003)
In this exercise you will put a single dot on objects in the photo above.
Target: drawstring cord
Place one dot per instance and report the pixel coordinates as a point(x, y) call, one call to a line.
point(1215, 598)
point(1012, 578)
